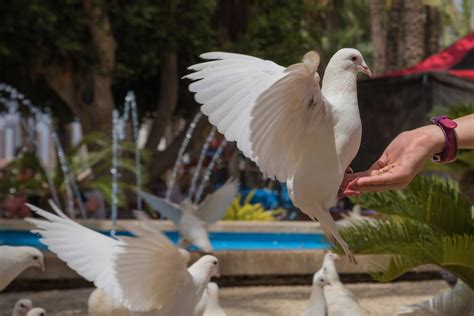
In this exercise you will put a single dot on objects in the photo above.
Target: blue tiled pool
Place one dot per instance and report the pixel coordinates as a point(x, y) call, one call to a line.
point(219, 240)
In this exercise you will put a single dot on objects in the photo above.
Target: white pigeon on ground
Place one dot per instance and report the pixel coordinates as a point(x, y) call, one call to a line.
point(14, 260)
point(37, 311)
point(294, 130)
point(192, 219)
point(22, 307)
point(146, 274)
point(340, 300)
point(212, 303)
point(317, 302)
point(457, 301)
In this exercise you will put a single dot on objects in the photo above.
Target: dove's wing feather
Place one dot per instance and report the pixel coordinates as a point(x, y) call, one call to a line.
point(87, 252)
point(166, 208)
point(215, 205)
point(151, 271)
point(455, 301)
point(260, 105)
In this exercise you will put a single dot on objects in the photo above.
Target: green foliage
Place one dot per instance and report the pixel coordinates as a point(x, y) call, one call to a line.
point(99, 159)
point(23, 176)
point(428, 222)
point(250, 212)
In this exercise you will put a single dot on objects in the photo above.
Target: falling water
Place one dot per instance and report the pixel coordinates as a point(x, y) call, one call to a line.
point(70, 182)
point(210, 167)
point(197, 170)
point(181, 152)
point(114, 170)
point(130, 99)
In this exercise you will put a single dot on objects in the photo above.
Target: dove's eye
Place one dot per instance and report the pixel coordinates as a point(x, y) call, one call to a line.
point(214, 263)
point(22, 305)
point(354, 58)
point(35, 257)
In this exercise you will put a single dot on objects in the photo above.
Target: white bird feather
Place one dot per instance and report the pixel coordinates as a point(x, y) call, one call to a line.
point(317, 302)
point(458, 301)
point(280, 118)
point(192, 219)
point(37, 311)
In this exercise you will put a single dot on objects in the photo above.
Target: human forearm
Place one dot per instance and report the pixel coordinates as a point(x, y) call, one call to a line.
point(465, 131)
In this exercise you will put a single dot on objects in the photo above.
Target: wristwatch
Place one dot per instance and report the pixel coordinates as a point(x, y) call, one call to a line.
point(450, 146)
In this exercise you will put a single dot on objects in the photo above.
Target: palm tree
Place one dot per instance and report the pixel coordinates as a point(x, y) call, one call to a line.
point(429, 222)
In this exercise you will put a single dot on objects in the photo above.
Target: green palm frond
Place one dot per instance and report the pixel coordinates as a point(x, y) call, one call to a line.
point(434, 201)
point(429, 222)
point(385, 236)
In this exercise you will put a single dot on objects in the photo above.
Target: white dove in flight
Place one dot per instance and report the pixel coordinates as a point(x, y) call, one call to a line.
point(146, 274)
point(192, 219)
point(14, 260)
point(294, 130)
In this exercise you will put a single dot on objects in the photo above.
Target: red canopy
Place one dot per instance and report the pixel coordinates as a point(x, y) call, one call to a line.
point(456, 60)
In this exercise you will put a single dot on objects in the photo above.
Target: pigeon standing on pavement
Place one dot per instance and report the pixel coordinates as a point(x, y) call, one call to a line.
point(14, 260)
point(22, 307)
point(293, 129)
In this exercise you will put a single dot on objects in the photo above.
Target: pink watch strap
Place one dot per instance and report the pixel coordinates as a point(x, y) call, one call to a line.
point(450, 147)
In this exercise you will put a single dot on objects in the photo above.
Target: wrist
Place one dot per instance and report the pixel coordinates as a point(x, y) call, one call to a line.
point(432, 138)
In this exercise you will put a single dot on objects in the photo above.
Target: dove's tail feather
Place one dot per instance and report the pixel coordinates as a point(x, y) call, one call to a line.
point(332, 233)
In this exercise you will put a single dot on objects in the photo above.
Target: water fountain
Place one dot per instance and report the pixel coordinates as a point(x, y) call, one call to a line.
point(202, 155)
point(118, 134)
point(207, 173)
point(181, 152)
point(13, 101)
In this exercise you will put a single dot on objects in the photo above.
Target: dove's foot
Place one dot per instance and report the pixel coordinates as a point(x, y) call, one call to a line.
point(346, 185)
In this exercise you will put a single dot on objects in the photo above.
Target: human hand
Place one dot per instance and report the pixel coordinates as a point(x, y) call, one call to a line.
point(399, 163)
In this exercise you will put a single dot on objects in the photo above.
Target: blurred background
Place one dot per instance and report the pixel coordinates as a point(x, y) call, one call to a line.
point(65, 66)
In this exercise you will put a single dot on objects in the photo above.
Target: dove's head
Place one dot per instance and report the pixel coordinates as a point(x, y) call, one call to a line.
point(31, 257)
point(320, 278)
point(36, 312)
point(329, 268)
point(209, 264)
point(22, 306)
point(350, 59)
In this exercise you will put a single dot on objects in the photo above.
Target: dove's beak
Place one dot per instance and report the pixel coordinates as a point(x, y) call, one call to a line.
point(365, 69)
point(41, 266)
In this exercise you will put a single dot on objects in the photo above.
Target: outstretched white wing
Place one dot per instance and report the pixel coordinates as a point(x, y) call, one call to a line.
point(151, 271)
point(266, 108)
point(166, 208)
point(86, 251)
point(215, 205)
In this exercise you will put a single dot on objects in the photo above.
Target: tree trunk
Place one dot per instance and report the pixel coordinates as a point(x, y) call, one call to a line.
point(167, 102)
point(88, 92)
point(432, 30)
point(378, 34)
point(414, 34)
point(393, 31)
